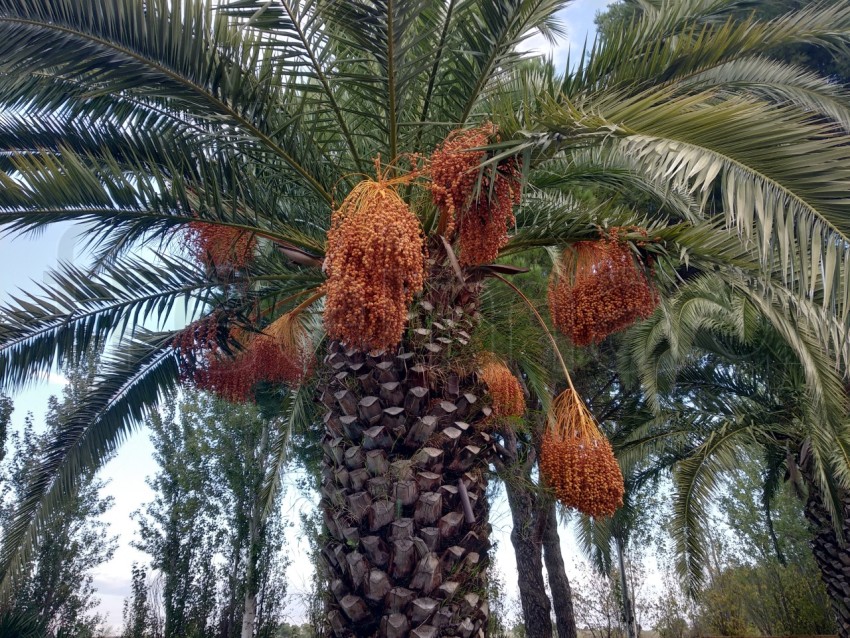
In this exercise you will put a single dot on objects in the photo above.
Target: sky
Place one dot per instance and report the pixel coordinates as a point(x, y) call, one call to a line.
point(24, 262)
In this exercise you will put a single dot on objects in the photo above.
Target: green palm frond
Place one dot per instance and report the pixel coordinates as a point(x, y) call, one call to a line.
point(299, 412)
point(548, 219)
point(179, 54)
point(509, 330)
point(79, 309)
point(485, 47)
point(145, 190)
point(76, 311)
point(613, 176)
point(777, 82)
point(782, 177)
point(299, 41)
point(695, 480)
point(681, 40)
point(595, 537)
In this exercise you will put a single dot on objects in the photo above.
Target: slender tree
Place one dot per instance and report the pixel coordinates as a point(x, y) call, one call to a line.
point(220, 558)
point(56, 590)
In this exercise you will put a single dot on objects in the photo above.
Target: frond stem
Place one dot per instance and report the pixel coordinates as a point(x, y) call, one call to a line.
point(542, 325)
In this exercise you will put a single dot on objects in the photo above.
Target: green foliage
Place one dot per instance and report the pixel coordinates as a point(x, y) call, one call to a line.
point(497, 600)
point(6, 409)
point(17, 625)
point(771, 575)
point(205, 530)
point(56, 591)
point(598, 603)
point(141, 619)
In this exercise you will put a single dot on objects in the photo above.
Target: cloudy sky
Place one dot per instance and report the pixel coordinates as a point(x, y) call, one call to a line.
point(24, 262)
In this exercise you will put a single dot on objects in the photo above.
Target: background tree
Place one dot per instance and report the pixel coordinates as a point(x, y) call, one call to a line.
point(742, 386)
point(56, 590)
point(770, 571)
point(6, 409)
point(220, 555)
point(141, 613)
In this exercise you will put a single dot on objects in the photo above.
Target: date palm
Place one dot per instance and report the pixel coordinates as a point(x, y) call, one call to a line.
point(136, 119)
point(752, 378)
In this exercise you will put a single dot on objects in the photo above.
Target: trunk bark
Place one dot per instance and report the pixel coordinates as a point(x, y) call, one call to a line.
point(527, 539)
point(831, 555)
point(403, 480)
point(628, 607)
point(249, 615)
point(562, 595)
point(249, 611)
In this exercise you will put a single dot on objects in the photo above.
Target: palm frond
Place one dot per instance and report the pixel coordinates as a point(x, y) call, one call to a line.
point(485, 47)
point(781, 176)
point(695, 480)
point(173, 52)
point(680, 40)
point(77, 311)
point(298, 414)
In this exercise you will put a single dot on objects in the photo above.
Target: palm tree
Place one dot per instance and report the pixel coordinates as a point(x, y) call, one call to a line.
point(260, 120)
point(740, 385)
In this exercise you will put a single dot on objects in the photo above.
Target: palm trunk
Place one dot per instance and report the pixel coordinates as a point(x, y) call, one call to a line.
point(562, 595)
point(832, 555)
point(403, 482)
point(527, 539)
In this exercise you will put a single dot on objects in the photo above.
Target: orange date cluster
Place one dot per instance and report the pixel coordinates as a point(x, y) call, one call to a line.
point(484, 219)
point(375, 264)
point(217, 246)
point(234, 376)
point(602, 288)
point(454, 171)
point(505, 390)
point(577, 461)
point(583, 473)
point(484, 226)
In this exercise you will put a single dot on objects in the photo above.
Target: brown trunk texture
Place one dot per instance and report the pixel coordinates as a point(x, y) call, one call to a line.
point(562, 595)
point(832, 556)
point(527, 539)
point(403, 482)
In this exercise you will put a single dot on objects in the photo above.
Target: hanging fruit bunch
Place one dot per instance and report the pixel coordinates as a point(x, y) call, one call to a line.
point(508, 399)
point(577, 461)
point(454, 171)
point(195, 343)
point(485, 216)
point(235, 375)
point(602, 288)
point(375, 264)
point(218, 246)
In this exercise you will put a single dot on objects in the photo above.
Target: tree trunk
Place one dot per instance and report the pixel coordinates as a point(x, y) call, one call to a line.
point(628, 606)
point(832, 555)
point(249, 612)
point(529, 522)
point(562, 595)
point(403, 479)
point(249, 615)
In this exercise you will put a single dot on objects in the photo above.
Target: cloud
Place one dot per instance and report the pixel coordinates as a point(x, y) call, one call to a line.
point(57, 379)
point(578, 22)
